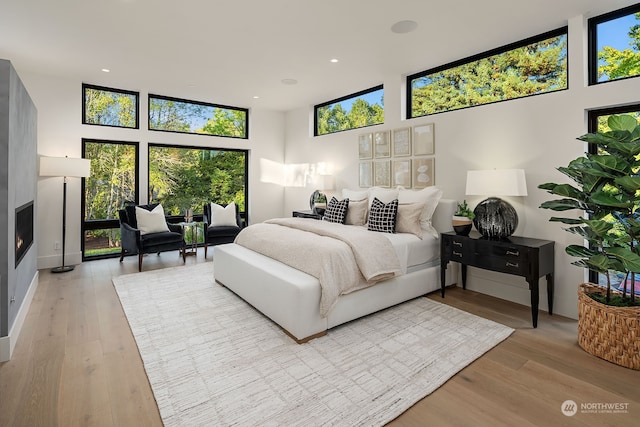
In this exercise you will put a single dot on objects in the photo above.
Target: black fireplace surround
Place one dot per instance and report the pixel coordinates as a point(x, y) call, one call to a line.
point(24, 230)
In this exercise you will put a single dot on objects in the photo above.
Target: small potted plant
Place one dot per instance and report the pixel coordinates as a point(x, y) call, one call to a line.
point(463, 219)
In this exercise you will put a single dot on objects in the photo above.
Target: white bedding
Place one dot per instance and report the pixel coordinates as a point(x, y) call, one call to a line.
point(413, 251)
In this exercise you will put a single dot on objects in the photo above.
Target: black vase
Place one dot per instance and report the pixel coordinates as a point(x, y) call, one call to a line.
point(495, 218)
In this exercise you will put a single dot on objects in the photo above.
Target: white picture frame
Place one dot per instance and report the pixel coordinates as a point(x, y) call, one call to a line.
point(382, 173)
point(423, 140)
point(365, 174)
point(402, 173)
point(402, 142)
point(382, 144)
point(423, 172)
point(365, 146)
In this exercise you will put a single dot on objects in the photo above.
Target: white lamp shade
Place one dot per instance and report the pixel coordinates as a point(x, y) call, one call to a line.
point(496, 182)
point(64, 166)
point(322, 182)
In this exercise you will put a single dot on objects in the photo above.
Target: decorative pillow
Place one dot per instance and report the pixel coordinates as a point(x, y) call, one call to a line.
point(382, 217)
point(354, 195)
point(357, 212)
point(408, 219)
point(430, 196)
point(336, 210)
point(151, 221)
point(223, 215)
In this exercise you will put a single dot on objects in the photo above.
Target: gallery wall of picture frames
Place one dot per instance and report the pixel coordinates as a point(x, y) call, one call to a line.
point(403, 156)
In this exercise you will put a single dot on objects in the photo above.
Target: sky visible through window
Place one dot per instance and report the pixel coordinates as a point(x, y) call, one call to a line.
point(615, 34)
point(371, 98)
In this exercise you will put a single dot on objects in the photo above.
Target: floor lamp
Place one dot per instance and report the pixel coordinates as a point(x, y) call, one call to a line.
point(64, 167)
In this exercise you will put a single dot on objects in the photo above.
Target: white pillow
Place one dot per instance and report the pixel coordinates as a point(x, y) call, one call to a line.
point(355, 195)
point(357, 212)
point(151, 221)
point(408, 219)
point(385, 195)
point(430, 196)
point(223, 215)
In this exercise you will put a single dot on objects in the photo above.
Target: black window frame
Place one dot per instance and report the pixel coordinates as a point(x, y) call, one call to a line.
point(202, 103)
point(592, 38)
point(114, 90)
point(344, 98)
point(198, 215)
point(100, 224)
point(499, 50)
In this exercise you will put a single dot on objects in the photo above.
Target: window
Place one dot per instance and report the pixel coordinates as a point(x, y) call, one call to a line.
point(179, 115)
point(530, 67)
point(109, 107)
point(365, 108)
point(184, 178)
point(112, 184)
point(598, 123)
point(614, 45)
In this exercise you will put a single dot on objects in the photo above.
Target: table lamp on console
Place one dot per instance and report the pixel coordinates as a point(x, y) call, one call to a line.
point(495, 218)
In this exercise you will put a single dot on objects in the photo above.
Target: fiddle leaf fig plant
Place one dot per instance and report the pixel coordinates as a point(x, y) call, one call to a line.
point(606, 187)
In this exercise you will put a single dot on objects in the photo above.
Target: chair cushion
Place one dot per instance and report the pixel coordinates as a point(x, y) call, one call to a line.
point(152, 221)
point(223, 215)
point(131, 213)
point(163, 238)
point(223, 231)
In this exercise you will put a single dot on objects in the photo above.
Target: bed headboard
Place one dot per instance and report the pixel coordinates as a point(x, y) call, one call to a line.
point(441, 219)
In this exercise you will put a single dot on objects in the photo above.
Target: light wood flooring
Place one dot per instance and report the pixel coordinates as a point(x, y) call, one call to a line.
point(76, 364)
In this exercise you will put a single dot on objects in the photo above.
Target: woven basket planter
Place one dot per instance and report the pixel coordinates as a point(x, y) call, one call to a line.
point(610, 333)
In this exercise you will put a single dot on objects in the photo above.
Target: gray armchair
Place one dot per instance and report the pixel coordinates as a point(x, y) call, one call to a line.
point(133, 242)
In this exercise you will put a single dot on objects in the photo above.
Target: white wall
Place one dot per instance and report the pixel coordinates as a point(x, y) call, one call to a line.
point(60, 133)
point(536, 133)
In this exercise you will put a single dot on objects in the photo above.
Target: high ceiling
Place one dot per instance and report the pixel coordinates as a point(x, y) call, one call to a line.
point(228, 52)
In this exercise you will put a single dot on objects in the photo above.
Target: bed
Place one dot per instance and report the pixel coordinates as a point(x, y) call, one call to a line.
point(291, 298)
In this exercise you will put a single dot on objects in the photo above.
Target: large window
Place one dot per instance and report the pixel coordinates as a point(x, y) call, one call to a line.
point(109, 107)
point(530, 67)
point(598, 123)
point(614, 45)
point(184, 178)
point(112, 184)
point(180, 115)
point(365, 108)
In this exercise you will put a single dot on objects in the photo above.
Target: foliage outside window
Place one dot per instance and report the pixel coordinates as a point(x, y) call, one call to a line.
point(365, 108)
point(184, 178)
point(109, 107)
point(614, 45)
point(179, 115)
point(530, 67)
point(113, 183)
point(598, 122)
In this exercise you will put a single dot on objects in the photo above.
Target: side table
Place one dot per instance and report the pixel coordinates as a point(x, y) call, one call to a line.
point(192, 246)
point(521, 256)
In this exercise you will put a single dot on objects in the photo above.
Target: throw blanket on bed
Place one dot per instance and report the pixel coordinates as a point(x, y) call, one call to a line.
point(339, 256)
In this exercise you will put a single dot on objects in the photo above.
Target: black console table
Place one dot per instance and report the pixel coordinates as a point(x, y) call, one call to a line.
point(521, 256)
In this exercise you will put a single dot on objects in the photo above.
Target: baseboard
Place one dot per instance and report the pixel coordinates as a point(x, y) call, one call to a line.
point(8, 343)
point(51, 261)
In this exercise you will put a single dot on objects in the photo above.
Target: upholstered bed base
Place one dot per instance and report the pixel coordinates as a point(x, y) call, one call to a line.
point(291, 298)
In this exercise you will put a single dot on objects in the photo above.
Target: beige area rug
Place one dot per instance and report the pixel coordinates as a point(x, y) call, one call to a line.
point(213, 360)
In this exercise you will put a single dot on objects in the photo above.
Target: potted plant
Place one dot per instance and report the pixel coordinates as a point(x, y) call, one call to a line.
point(463, 219)
point(606, 187)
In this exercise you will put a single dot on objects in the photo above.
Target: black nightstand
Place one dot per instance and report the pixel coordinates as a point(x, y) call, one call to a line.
point(520, 256)
point(306, 214)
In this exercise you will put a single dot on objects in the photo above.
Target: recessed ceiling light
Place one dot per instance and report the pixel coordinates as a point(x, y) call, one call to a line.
point(256, 97)
point(106, 70)
point(289, 81)
point(334, 60)
point(403, 27)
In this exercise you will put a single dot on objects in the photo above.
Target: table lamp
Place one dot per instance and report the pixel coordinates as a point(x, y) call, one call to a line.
point(494, 217)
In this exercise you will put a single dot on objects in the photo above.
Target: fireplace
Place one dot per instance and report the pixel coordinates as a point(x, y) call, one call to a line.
point(24, 230)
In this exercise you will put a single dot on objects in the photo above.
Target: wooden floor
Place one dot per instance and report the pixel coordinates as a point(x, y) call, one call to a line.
point(76, 364)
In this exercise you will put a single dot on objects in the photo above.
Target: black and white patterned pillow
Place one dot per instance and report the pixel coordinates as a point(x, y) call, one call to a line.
point(382, 217)
point(336, 210)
